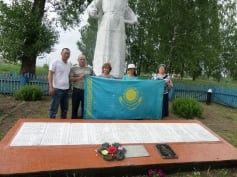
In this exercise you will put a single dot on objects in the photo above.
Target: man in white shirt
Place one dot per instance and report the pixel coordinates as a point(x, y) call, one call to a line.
point(58, 78)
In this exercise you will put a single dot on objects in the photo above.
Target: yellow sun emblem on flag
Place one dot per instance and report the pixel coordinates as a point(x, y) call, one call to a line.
point(130, 98)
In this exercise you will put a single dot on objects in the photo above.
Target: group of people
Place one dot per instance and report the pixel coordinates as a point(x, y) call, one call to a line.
point(131, 72)
point(62, 78)
point(132, 75)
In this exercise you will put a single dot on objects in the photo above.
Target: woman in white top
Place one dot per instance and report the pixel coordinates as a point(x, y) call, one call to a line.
point(132, 74)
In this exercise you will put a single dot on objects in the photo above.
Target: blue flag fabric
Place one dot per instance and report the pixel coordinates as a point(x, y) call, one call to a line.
point(118, 99)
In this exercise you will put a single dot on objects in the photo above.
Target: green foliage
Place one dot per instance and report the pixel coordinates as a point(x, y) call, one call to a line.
point(7, 68)
point(205, 82)
point(191, 37)
point(187, 108)
point(195, 174)
point(228, 32)
point(174, 33)
point(70, 12)
point(88, 39)
point(29, 93)
point(24, 33)
point(42, 70)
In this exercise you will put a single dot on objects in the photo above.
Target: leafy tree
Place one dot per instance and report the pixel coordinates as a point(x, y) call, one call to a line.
point(27, 29)
point(23, 36)
point(190, 37)
point(88, 39)
point(142, 39)
point(69, 11)
point(228, 31)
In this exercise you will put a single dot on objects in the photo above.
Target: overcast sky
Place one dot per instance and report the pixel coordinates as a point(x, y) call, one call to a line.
point(67, 39)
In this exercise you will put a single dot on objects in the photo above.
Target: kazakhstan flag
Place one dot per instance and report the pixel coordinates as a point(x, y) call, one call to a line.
point(118, 99)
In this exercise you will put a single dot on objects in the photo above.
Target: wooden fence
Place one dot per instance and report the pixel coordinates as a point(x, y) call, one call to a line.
point(220, 95)
point(10, 82)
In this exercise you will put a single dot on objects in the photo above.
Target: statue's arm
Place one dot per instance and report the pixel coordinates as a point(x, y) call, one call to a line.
point(129, 16)
point(94, 8)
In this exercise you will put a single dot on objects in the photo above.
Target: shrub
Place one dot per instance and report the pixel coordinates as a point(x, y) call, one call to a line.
point(29, 93)
point(187, 108)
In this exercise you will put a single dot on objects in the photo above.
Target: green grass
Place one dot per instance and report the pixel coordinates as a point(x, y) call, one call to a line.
point(226, 121)
point(207, 173)
point(230, 117)
point(42, 70)
point(223, 83)
point(226, 112)
point(229, 134)
point(7, 68)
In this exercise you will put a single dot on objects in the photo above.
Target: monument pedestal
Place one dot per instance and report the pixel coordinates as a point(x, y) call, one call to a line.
point(18, 154)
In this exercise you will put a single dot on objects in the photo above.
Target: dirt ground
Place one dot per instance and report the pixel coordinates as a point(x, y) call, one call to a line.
point(216, 117)
point(11, 110)
point(220, 119)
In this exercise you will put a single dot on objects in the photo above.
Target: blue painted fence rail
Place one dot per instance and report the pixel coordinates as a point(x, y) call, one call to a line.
point(220, 95)
point(10, 82)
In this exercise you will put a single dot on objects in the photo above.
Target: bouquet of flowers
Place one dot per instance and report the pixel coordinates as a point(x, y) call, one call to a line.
point(112, 152)
point(156, 173)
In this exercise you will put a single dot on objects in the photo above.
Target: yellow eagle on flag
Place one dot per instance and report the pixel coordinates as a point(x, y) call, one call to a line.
point(130, 99)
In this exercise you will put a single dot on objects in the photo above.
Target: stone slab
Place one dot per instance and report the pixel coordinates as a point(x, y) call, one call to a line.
point(61, 133)
point(49, 158)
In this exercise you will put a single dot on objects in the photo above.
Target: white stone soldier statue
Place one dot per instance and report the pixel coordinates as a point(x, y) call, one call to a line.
point(111, 38)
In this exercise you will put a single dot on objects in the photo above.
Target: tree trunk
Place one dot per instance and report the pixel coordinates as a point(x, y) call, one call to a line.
point(28, 63)
point(38, 7)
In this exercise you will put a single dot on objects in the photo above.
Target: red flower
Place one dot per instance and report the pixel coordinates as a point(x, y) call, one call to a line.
point(112, 149)
point(156, 173)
